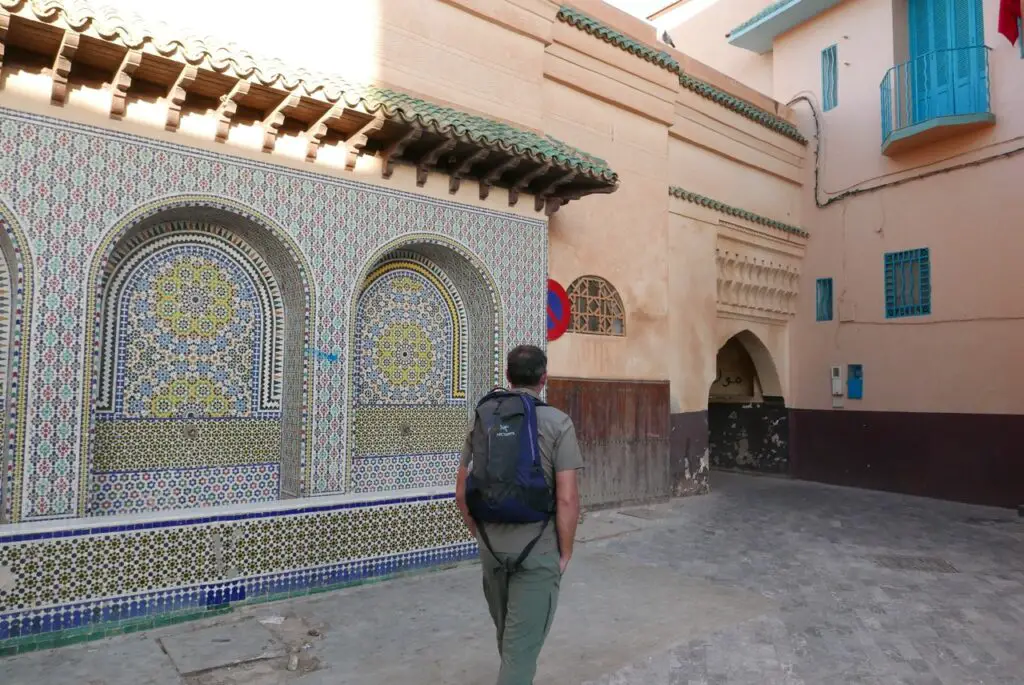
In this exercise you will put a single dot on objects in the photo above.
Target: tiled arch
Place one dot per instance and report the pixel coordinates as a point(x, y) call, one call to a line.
point(282, 256)
point(475, 291)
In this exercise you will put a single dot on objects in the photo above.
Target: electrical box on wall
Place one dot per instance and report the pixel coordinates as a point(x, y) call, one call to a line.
point(855, 381)
point(837, 381)
point(836, 376)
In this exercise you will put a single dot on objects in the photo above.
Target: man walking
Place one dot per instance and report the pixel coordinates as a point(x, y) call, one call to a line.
point(518, 494)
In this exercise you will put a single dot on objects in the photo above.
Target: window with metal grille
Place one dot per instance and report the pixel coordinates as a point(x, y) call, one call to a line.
point(823, 311)
point(596, 307)
point(829, 78)
point(908, 284)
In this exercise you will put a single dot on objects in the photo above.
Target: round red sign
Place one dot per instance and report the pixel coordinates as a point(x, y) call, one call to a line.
point(559, 310)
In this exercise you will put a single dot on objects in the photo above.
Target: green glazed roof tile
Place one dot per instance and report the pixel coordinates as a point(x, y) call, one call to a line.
point(480, 130)
point(584, 22)
point(767, 11)
point(704, 201)
point(752, 112)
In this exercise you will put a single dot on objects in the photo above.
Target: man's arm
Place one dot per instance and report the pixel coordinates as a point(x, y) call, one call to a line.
point(460, 499)
point(460, 481)
point(567, 514)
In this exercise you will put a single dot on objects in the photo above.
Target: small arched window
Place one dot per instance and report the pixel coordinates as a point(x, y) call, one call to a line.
point(596, 307)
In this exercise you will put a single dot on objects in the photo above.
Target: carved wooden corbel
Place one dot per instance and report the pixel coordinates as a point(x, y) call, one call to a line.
point(5, 24)
point(176, 96)
point(524, 182)
point(396, 149)
point(62, 67)
point(316, 132)
point(467, 165)
point(228, 107)
point(495, 174)
point(274, 118)
point(122, 81)
point(545, 193)
point(357, 142)
point(428, 160)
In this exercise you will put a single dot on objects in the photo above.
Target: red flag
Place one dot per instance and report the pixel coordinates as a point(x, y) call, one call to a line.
point(1009, 13)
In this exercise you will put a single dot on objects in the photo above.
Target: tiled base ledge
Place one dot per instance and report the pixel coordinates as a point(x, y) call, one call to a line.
point(72, 582)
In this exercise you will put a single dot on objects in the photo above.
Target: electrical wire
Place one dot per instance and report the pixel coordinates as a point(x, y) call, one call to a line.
point(854, 191)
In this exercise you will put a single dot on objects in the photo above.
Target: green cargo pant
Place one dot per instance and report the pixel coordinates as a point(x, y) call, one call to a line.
point(522, 605)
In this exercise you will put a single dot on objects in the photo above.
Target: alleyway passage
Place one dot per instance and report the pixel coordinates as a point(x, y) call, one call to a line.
point(764, 581)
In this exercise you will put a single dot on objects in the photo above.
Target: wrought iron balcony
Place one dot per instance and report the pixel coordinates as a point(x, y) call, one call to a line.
point(936, 95)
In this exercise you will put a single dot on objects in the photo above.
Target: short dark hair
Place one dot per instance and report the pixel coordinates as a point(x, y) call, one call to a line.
point(527, 364)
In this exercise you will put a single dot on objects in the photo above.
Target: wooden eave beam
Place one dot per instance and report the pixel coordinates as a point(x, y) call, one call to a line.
point(228, 107)
point(122, 81)
point(5, 25)
point(467, 165)
point(495, 174)
point(546, 193)
point(176, 96)
point(524, 182)
point(318, 130)
point(275, 118)
point(62, 67)
point(395, 150)
point(429, 160)
point(355, 145)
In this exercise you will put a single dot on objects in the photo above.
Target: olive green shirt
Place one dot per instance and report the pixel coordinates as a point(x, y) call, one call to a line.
point(559, 452)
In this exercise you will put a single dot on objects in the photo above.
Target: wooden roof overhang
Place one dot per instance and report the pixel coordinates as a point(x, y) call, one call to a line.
point(397, 127)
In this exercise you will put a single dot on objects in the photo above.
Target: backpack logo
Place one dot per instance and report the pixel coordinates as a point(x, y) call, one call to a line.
point(505, 431)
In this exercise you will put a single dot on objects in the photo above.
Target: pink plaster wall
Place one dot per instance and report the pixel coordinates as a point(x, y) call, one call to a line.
point(703, 38)
point(965, 356)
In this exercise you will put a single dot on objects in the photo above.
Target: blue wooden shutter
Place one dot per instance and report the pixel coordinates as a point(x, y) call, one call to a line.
point(823, 308)
point(829, 78)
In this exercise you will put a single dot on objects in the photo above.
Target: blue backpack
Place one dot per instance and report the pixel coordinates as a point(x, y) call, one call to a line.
point(506, 483)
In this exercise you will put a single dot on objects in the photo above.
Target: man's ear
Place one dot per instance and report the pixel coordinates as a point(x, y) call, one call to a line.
point(544, 379)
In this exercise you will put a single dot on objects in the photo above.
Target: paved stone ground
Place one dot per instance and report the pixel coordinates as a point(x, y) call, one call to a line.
point(763, 582)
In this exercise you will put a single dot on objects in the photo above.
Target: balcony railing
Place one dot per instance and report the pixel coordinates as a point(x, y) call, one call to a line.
point(943, 83)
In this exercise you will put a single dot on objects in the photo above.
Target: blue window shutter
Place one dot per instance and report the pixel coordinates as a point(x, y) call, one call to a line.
point(829, 78)
point(823, 305)
point(855, 381)
point(908, 283)
point(1020, 36)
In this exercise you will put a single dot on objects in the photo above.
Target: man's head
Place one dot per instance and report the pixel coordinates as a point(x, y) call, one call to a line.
point(527, 367)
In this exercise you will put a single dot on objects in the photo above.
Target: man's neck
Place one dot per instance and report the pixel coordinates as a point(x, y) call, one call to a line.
point(533, 390)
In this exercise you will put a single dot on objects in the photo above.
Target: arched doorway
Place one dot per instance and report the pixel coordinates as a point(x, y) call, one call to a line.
point(747, 417)
point(199, 400)
point(426, 346)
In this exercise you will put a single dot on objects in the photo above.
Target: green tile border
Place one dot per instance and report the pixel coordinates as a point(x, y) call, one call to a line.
point(588, 24)
point(742, 107)
point(585, 22)
point(705, 201)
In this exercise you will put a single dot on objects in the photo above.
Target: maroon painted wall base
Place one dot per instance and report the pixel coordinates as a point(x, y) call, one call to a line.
point(977, 458)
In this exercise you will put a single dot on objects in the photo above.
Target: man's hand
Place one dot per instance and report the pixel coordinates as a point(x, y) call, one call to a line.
point(563, 563)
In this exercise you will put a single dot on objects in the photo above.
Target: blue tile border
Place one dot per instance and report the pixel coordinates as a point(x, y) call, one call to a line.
point(16, 627)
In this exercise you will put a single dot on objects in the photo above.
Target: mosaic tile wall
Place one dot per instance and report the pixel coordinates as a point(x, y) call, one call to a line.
point(75, 191)
point(93, 581)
